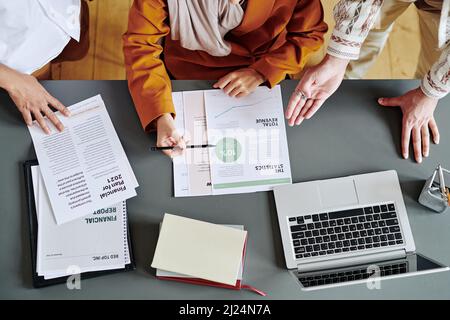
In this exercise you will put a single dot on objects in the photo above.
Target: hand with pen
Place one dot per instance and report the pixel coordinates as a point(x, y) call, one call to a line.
point(168, 136)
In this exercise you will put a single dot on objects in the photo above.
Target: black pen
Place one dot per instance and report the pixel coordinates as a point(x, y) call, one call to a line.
point(187, 147)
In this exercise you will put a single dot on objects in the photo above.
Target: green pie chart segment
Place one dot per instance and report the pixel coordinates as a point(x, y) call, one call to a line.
point(228, 150)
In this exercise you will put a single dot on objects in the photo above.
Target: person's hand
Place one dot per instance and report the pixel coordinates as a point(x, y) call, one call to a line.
point(240, 83)
point(32, 99)
point(168, 136)
point(417, 121)
point(317, 84)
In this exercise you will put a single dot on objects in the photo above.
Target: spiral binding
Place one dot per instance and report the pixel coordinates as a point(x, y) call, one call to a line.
point(126, 252)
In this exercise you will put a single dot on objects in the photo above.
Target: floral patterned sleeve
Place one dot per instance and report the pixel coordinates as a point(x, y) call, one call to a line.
point(436, 83)
point(354, 19)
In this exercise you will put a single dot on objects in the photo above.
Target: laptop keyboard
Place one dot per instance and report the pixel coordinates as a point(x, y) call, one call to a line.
point(334, 276)
point(345, 231)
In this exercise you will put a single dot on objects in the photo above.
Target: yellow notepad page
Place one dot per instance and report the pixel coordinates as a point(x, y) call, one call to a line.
point(199, 249)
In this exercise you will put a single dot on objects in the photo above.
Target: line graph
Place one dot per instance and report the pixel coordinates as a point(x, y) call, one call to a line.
point(240, 106)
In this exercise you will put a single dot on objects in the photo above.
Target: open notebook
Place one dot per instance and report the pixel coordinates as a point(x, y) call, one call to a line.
point(199, 252)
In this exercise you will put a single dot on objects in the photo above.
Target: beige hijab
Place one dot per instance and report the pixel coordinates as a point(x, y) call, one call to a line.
point(202, 24)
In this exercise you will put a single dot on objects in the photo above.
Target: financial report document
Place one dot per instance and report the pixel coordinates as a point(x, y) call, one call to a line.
point(95, 242)
point(84, 167)
point(248, 135)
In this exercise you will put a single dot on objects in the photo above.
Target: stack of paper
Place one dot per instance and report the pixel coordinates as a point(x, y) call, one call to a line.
point(248, 135)
point(190, 248)
point(95, 242)
point(84, 168)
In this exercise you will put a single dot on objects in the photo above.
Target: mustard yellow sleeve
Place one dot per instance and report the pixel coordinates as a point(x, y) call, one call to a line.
point(148, 80)
point(305, 36)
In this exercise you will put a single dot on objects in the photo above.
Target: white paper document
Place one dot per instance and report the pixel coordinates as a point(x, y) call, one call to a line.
point(250, 150)
point(191, 170)
point(200, 249)
point(180, 167)
point(96, 242)
point(84, 167)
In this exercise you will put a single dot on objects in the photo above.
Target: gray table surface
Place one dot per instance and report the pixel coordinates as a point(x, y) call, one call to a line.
point(349, 135)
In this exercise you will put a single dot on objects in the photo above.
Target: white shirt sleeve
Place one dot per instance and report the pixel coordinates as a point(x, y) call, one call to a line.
point(34, 32)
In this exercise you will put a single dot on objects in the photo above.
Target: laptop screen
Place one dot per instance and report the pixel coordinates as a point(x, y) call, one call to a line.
point(411, 264)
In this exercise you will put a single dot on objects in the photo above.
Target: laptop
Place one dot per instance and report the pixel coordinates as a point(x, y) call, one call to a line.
point(348, 230)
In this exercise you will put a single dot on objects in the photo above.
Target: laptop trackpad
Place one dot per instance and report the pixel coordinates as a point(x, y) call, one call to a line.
point(337, 193)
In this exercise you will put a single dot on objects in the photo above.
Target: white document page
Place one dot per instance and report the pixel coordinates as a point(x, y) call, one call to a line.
point(84, 167)
point(37, 186)
point(249, 133)
point(180, 168)
point(195, 130)
point(199, 249)
point(191, 170)
point(36, 177)
point(94, 242)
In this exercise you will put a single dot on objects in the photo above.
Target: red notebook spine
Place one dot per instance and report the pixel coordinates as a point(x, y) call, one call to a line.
point(203, 282)
point(237, 286)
